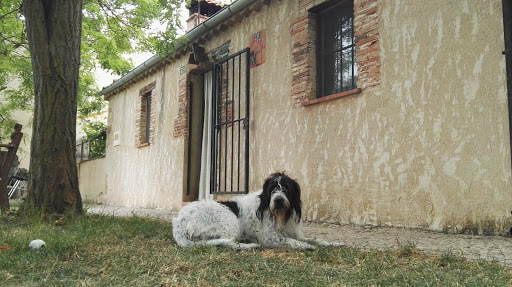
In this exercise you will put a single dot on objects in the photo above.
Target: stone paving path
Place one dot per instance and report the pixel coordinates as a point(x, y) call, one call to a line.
point(493, 248)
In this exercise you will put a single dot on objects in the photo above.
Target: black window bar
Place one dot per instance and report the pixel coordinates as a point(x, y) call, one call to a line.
point(148, 118)
point(230, 132)
point(336, 51)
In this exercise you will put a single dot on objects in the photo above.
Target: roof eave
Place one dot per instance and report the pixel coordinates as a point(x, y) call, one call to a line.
point(190, 36)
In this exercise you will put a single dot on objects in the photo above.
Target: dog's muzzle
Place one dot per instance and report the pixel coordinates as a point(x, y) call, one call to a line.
point(279, 200)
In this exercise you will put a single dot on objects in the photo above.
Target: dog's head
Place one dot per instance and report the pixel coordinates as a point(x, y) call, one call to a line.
point(281, 196)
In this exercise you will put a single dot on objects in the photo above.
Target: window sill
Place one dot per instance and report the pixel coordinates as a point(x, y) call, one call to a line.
point(331, 97)
point(142, 145)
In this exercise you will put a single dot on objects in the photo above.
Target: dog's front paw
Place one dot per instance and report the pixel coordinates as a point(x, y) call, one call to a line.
point(306, 246)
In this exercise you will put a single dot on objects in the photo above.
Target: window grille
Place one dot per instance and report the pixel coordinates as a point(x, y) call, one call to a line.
point(337, 65)
point(230, 133)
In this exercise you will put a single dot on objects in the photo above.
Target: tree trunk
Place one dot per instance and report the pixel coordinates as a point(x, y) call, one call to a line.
point(54, 31)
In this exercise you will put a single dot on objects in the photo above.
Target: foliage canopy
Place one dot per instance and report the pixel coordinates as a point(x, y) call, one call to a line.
point(111, 30)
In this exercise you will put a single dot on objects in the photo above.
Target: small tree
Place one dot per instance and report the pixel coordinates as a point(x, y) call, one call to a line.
point(96, 137)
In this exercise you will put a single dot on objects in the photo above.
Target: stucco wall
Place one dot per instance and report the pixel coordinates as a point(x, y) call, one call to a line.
point(428, 147)
point(147, 176)
point(92, 180)
point(445, 139)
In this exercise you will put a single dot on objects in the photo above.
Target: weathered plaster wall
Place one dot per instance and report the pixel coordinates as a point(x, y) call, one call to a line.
point(92, 180)
point(148, 176)
point(444, 138)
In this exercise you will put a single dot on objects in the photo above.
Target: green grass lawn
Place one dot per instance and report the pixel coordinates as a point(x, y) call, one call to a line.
point(95, 250)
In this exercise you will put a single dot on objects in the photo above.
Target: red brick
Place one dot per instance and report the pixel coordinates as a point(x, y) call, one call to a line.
point(300, 19)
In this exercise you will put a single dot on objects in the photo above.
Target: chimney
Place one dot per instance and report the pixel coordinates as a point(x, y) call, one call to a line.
point(200, 11)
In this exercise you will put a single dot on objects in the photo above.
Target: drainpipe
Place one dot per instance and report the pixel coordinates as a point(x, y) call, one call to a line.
point(507, 30)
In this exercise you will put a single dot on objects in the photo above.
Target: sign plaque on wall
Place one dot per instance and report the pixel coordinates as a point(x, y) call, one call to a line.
point(257, 48)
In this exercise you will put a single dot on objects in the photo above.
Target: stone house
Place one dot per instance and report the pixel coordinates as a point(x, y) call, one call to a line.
point(386, 112)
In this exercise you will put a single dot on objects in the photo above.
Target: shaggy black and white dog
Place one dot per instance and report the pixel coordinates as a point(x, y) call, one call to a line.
point(268, 218)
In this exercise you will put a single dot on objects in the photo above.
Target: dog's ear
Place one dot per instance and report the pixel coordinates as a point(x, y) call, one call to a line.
point(264, 199)
point(296, 203)
point(266, 184)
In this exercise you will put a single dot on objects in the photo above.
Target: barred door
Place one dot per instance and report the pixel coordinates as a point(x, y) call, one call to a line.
point(230, 132)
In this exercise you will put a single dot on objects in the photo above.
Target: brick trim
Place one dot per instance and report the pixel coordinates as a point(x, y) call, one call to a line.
point(181, 121)
point(366, 31)
point(303, 45)
point(332, 97)
point(303, 59)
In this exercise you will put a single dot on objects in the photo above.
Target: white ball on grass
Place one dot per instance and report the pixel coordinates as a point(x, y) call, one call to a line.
point(36, 244)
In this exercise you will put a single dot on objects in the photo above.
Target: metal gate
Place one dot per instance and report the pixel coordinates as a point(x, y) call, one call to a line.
point(230, 132)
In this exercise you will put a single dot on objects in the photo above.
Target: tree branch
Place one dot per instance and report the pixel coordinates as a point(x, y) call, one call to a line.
point(13, 11)
point(118, 18)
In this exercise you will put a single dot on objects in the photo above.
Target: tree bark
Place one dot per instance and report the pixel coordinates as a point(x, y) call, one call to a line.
point(54, 31)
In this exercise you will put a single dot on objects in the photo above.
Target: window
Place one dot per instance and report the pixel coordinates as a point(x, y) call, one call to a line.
point(145, 129)
point(147, 116)
point(336, 49)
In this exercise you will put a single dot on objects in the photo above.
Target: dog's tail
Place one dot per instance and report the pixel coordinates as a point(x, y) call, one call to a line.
point(180, 233)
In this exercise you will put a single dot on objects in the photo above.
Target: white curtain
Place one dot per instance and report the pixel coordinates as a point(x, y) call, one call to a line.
point(204, 180)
